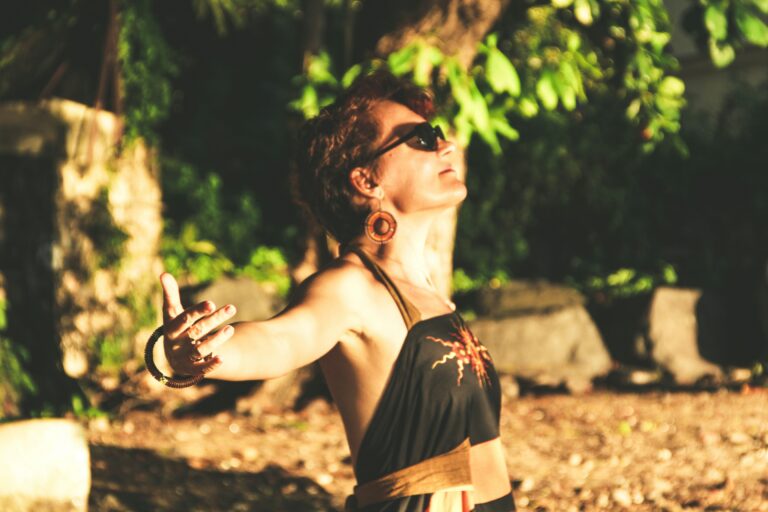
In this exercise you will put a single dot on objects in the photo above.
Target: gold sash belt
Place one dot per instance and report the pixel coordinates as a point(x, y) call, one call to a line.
point(447, 471)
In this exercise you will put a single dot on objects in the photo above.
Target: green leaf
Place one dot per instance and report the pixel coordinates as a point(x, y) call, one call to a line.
point(668, 106)
point(528, 107)
point(762, 5)
point(567, 97)
point(501, 73)
point(752, 27)
point(634, 108)
point(621, 277)
point(721, 54)
point(479, 110)
point(574, 41)
point(459, 89)
point(561, 4)
point(319, 69)
point(401, 61)
point(716, 21)
point(671, 86)
point(659, 40)
point(502, 126)
point(568, 85)
point(545, 90)
point(308, 103)
point(583, 12)
point(670, 276)
point(350, 75)
point(463, 128)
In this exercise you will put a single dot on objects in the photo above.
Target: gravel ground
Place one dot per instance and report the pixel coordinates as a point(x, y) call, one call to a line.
point(598, 451)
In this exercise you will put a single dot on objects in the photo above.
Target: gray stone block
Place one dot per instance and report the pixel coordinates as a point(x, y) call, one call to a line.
point(673, 332)
point(552, 347)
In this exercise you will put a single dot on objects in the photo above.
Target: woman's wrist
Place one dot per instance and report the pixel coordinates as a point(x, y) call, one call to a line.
point(173, 381)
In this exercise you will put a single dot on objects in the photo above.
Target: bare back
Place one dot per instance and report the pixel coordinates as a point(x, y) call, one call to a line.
point(358, 368)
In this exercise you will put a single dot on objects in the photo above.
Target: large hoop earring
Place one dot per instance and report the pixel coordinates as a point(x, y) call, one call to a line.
point(380, 226)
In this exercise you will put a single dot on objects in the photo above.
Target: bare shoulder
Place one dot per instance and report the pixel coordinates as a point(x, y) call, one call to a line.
point(345, 281)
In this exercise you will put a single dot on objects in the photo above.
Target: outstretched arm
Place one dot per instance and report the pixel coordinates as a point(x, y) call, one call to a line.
point(324, 308)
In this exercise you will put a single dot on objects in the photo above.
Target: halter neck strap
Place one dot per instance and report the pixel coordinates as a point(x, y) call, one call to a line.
point(411, 314)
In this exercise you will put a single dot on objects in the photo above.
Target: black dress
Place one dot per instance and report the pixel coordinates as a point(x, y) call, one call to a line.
point(442, 390)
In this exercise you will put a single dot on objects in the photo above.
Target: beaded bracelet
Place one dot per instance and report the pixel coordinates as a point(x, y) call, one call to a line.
point(183, 381)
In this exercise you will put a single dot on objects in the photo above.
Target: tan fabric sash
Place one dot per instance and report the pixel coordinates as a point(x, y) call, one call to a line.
point(447, 471)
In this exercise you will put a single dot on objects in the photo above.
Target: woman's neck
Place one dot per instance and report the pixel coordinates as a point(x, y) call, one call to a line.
point(403, 257)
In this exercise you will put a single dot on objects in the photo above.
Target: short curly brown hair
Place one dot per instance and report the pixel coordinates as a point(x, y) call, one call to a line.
point(340, 138)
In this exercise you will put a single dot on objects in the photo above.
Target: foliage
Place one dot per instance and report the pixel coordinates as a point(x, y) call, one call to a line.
point(539, 61)
point(107, 237)
point(723, 26)
point(147, 66)
point(14, 380)
point(194, 254)
point(463, 283)
point(84, 410)
point(627, 282)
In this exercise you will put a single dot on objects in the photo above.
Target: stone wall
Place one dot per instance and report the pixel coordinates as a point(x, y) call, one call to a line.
point(81, 251)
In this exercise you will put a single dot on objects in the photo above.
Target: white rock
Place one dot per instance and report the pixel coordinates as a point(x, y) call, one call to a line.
point(44, 464)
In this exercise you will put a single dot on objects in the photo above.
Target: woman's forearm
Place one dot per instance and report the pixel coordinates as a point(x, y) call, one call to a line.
point(254, 352)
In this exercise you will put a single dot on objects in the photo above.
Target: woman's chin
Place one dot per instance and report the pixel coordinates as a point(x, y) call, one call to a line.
point(455, 196)
point(459, 191)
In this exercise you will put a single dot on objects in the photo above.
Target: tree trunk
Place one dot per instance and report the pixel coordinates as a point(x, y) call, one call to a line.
point(314, 248)
point(456, 27)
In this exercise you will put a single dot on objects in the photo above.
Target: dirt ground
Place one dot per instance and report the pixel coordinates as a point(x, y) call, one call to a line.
point(604, 450)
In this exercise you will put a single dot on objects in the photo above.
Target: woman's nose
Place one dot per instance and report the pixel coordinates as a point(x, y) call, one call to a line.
point(445, 147)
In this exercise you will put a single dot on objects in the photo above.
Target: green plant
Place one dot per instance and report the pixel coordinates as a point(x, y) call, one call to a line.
point(107, 237)
point(723, 26)
point(83, 410)
point(15, 382)
point(268, 265)
point(627, 282)
point(147, 65)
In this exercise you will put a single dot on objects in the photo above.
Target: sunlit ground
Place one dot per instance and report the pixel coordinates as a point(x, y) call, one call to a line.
point(600, 451)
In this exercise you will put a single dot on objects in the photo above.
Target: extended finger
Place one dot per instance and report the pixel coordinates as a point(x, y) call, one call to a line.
point(208, 323)
point(171, 297)
point(175, 327)
point(214, 341)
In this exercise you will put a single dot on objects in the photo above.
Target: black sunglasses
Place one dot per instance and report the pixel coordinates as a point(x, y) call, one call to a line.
point(426, 137)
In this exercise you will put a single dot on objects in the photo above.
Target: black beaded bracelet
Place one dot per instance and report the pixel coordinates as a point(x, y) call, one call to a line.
point(172, 382)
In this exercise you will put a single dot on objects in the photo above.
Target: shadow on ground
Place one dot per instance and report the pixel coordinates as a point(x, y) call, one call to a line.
point(126, 479)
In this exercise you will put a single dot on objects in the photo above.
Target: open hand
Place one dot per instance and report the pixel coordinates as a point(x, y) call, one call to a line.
point(189, 342)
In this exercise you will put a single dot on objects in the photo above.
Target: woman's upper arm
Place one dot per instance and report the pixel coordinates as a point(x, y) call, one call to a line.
point(323, 308)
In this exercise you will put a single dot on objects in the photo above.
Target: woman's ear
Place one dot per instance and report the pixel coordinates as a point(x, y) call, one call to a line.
point(362, 180)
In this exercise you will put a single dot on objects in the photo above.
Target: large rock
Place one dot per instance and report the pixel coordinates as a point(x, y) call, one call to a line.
point(44, 466)
point(542, 332)
point(83, 247)
point(254, 300)
point(520, 297)
point(673, 334)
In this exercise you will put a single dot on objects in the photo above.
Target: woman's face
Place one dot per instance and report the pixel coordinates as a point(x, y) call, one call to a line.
point(414, 180)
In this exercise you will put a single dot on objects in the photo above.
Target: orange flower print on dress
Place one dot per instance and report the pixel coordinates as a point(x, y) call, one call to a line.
point(466, 349)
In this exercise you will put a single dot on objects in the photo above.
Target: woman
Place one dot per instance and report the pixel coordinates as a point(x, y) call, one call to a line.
point(417, 392)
